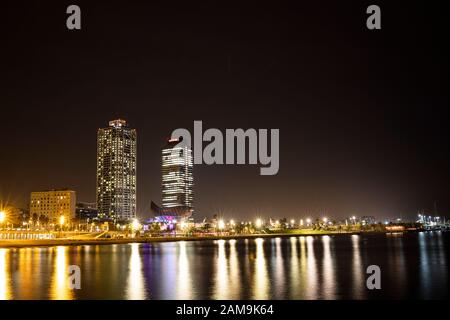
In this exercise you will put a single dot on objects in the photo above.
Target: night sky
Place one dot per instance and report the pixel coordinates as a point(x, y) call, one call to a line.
point(363, 115)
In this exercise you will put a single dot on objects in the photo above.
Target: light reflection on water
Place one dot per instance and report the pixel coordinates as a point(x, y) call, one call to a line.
point(59, 289)
point(184, 281)
point(296, 283)
point(357, 269)
point(136, 281)
point(329, 284)
point(311, 270)
point(311, 267)
point(5, 277)
point(221, 290)
point(260, 279)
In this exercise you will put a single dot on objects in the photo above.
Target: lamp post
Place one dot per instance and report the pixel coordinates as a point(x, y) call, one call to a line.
point(308, 222)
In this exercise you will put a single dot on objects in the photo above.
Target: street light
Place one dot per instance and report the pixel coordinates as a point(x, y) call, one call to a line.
point(61, 223)
point(325, 219)
point(258, 223)
point(135, 225)
point(308, 221)
point(2, 216)
point(62, 219)
point(221, 225)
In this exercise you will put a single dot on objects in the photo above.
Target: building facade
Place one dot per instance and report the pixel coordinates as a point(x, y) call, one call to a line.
point(116, 171)
point(53, 204)
point(85, 211)
point(177, 178)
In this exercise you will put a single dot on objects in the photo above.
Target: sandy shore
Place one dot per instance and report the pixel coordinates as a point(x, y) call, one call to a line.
point(77, 242)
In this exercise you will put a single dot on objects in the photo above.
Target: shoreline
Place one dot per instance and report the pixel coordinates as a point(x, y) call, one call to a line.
point(81, 242)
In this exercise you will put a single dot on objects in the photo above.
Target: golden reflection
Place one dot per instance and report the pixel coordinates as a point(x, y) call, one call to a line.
point(295, 272)
point(303, 267)
point(222, 277)
point(227, 276)
point(184, 280)
point(136, 282)
point(60, 289)
point(235, 281)
point(27, 259)
point(260, 280)
point(358, 272)
point(279, 268)
point(5, 275)
point(328, 269)
point(311, 292)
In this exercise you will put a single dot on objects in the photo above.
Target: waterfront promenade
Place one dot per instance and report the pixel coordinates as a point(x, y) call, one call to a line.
point(95, 240)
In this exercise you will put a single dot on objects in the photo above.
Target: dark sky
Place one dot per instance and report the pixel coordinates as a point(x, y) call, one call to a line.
point(363, 115)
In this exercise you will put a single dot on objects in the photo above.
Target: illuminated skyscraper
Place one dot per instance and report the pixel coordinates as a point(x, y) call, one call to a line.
point(177, 179)
point(116, 171)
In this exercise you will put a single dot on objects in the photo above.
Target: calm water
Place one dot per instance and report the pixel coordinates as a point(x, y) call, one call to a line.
point(313, 267)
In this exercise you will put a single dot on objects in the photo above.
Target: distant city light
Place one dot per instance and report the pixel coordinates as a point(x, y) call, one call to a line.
point(292, 221)
point(325, 219)
point(258, 223)
point(221, 224)
point(62, 219)
point(2, 216)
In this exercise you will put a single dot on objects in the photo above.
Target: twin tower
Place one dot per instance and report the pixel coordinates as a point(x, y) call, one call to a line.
point(116, 175)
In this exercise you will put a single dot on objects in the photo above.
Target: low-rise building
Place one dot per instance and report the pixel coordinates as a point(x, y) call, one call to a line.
point(85, 211)
point(53, 204)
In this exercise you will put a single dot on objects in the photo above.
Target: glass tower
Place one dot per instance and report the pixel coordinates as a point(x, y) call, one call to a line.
point(116, 171)
point(177, 178)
